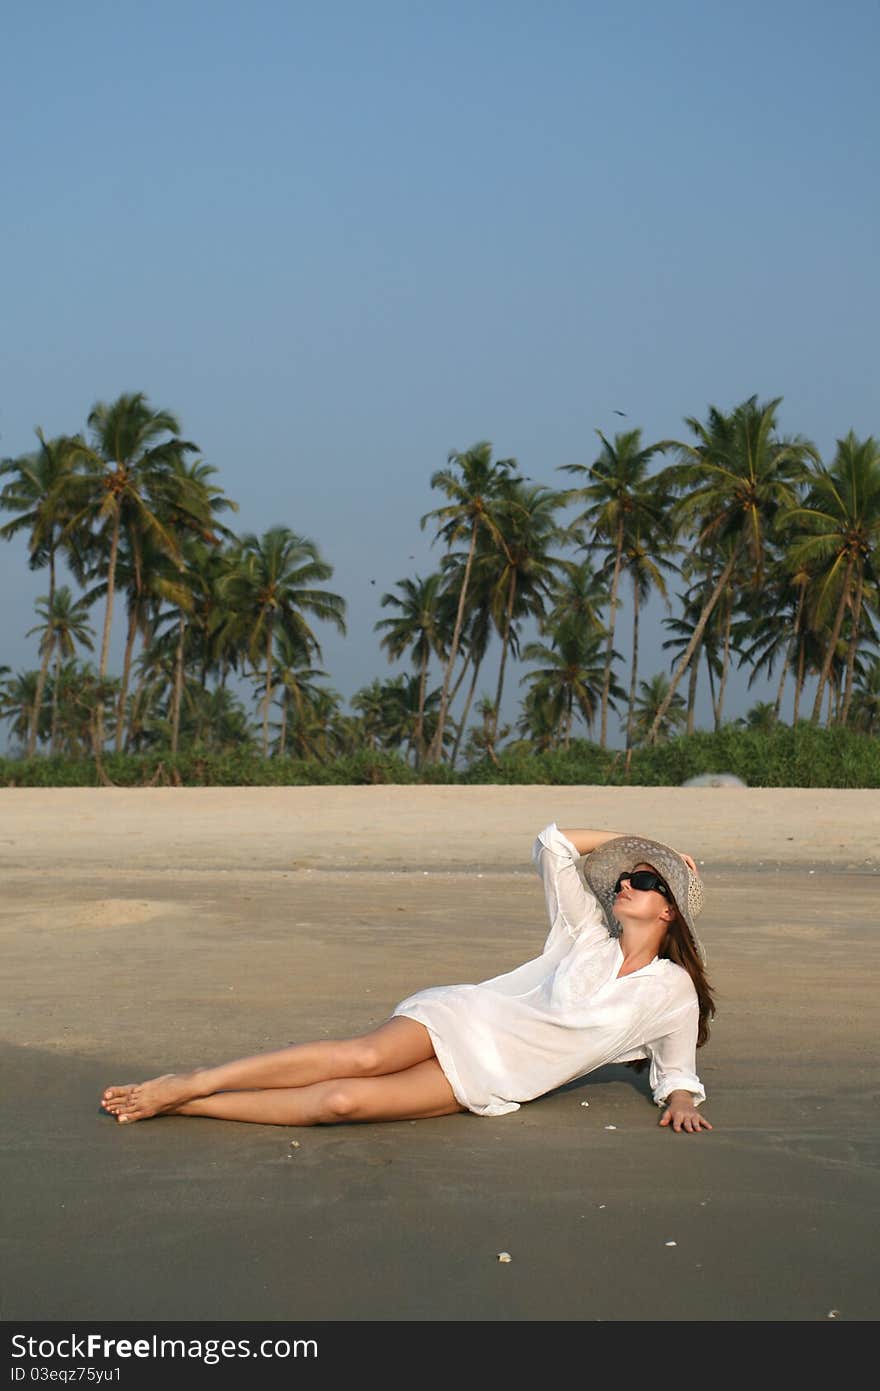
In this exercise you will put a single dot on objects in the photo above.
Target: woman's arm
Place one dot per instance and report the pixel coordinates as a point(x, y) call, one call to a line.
point(585, 842)
point(674, 1080)
point(572, 907)
point(682, 1114)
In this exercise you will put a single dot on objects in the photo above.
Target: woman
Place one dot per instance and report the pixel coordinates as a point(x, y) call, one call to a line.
point(620, 979)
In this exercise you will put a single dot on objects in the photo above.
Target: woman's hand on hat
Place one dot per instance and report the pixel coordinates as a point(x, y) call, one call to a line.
point(682, 1114)
point(690, 864)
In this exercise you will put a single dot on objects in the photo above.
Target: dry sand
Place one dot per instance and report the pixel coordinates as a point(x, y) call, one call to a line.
point(153, 929)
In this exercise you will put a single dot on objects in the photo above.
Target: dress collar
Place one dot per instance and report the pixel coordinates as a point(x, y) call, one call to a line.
point(651, 968)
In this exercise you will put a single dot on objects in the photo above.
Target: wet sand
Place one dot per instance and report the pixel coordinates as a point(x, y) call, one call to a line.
point(154, 929)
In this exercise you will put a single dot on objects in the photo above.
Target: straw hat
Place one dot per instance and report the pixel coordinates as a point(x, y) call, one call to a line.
point(620, 855)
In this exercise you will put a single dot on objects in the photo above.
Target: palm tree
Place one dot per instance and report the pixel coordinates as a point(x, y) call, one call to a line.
point(659, 713)
point(64, 625)
point(762, 716)
point(724, 639)
point(270, 590)
point(402, 713)
point(538, 723)
point(524, 569)
point(482, 740)
point(418, 626)
point(39, 491)
point(474, 494)
point(124, 483)
point(191, 503)
point(810, 652)
point(772, 624)
point(644, 561)
point(577, 596)
point(295, 679)
point(842, 516)
point(149, 708)
point(622, 503)
point(739, 479)
point(683, 626)
point(85, 695)
point(18, 699)
point(148, 578)
point(571, 676)
point(320, 731)
point(477, 626)
point(720, 636)
point(372, 706)
point(218, 639)
point(578, 592)
point(215, 721)
point(865, 708)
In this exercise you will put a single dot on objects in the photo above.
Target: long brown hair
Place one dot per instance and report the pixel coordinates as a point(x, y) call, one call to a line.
point(678, 946)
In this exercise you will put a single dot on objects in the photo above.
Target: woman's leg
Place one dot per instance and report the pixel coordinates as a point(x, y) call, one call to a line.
point(414, 1094)
point(395, 1046)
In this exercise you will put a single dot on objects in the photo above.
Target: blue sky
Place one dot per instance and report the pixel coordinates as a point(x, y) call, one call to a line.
point(341, 240)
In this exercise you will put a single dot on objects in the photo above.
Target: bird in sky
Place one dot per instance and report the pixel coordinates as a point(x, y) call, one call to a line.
point(620, 412)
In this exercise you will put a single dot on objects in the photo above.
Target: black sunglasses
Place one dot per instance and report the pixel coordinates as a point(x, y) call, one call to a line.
point(643, 879)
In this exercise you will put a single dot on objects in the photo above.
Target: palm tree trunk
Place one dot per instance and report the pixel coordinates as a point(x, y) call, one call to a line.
point(467, 711)
point(692, 694)
point(126, 676)
point(635, 666)
point(268, 689)
point(799, 681)
point(789, 649)
point(777, 704)
point(38, 697)
point(105, 639)
point(725, 668)
point(283, 739)
point(177, 697)
point(851, 653)
point(832, 642)
point(420, 718)
point(456, 686)
point(505, 644)
point(692, 645)
point(137, 701)
point(436, 751)
point(712, 695)
point(609, 649)
point(55, 703)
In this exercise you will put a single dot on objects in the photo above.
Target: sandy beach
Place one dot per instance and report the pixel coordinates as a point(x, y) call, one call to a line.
point(150, 930)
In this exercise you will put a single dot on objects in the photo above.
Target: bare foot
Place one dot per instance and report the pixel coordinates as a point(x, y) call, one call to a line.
point(113, 1097)
point(136, 1101)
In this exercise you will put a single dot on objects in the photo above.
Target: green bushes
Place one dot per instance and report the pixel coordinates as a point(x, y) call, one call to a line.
point(803, 756)
point(244, 769)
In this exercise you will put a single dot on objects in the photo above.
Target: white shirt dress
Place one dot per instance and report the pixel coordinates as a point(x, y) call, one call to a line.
point(560, 1016)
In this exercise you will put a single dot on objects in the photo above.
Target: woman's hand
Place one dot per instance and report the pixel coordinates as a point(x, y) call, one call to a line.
point(690, 864)
point(682, 1114)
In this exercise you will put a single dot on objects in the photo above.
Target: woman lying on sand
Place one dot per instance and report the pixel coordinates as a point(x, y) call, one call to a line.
point(621, 979)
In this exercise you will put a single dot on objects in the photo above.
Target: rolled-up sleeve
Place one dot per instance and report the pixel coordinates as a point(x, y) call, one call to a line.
point(571, 907)
point(673, 1059)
